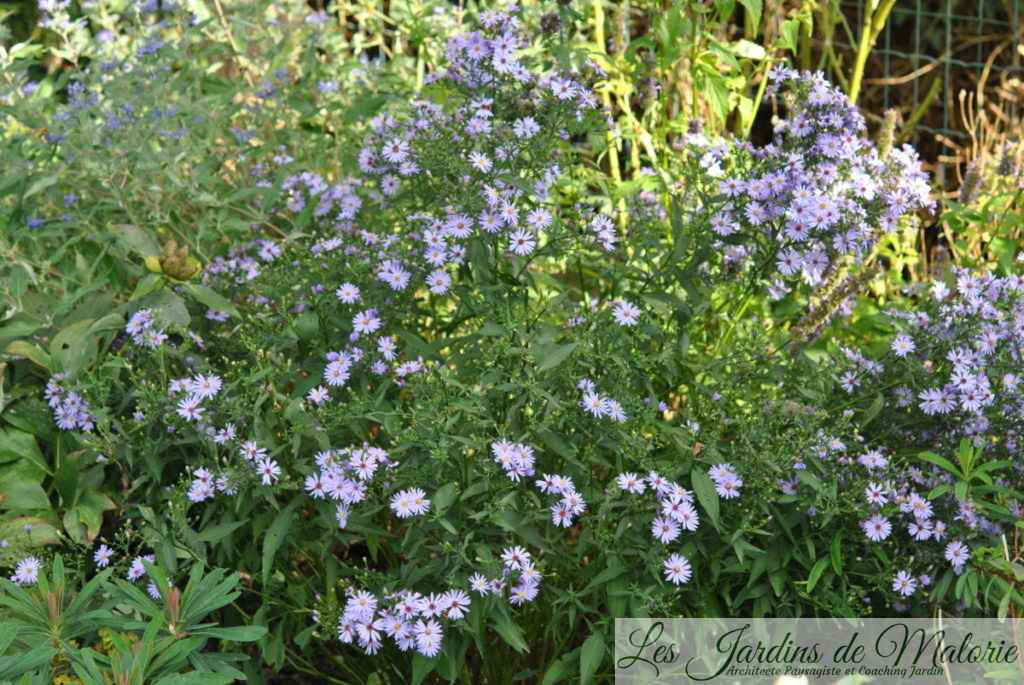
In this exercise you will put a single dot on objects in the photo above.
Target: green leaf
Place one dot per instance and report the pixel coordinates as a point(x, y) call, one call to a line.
point(275, 535)
point(754, 9)
point(510, 632)
point(211, 299)
point(747, 50)
point(196, 679)
point(704, 488)
point(168, 308)
point(73, 348)
point(23, 495)
point(559, 671)
point(23, 348)
point(941, 461)
point(25, 661)
point(7, 634)
point(235, 633)
point(489, 328)
point(836, 553)
point(591, 656)
point(40, 185)
point(218, 531)
point(147, 284)
point(421, 667)
point(790, 35)
point(41, 531)
point(135, 239)
point(444, 497)
point(819, 567)
point(549, 357)
point(555, 443)
point(84, 520)
point(17, 445)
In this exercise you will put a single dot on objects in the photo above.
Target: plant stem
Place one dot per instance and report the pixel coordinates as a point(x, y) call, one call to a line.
point(875, 16)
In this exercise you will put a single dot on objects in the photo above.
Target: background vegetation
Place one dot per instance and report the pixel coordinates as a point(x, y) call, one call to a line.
point(214, 172)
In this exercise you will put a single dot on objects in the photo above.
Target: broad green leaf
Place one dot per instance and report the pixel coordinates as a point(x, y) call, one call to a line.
point(754, 9)
point(510, 632)
point(559, 672)
point(135, 239)
point(489, 328)
point(819, 567)
point(591, 655)
point(196, 679)
point(7, 634)
point(704, 488)
point(40, 531)
point(32, 352)
point(276, 534)
point(550, 357)
point(444, 497)
point(218, 531)
point(147, 284)
point(211, 298)
point(836, 553)
point(21, 662)
point(422, 667)
point(941, 461)
point(23, 495)
point(17, 445)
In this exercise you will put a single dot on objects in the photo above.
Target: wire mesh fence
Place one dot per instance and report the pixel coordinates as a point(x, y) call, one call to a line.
point(954, 69)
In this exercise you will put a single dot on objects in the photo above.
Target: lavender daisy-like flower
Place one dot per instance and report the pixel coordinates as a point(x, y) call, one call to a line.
point(317, 395)
point(664, 529)
point(630, 482)
point(410, 503)
point(455, 603)
point(626, 313)
point(677, 569)
point(189, 409)
point(515, 558)
point(875, 494)
point(347, 293)
point(957, 554)
point(269, 470)
point(523, 593)
point(479, 584)
point(904, 583)
point(877, 528)
point(902, 345)
point(103, 556)
point(428, 637)
point(27, 571)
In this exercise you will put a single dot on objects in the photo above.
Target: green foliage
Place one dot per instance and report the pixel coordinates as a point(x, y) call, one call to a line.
point(108, 629)
point(182, 200)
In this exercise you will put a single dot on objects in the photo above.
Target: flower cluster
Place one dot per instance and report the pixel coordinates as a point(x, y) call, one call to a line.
point(955, 359)
point(525, 589)
point(818, 194)
point(411, 502)
point(486, 138)
point(515, 458)
point(144, 331)
point(599, 405)
point(677, 514)
point(195, 390)
point(70, 410)
point(408, 618)
point(345, 474)
point(902, 510)
point(570, 504)
point(727, 483)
